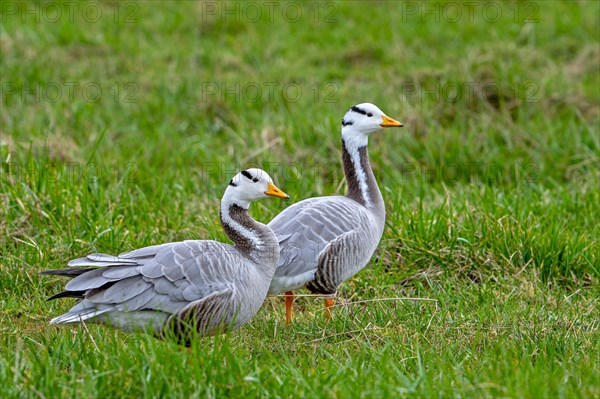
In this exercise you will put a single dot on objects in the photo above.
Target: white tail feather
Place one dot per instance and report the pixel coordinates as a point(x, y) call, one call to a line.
point(79, 316)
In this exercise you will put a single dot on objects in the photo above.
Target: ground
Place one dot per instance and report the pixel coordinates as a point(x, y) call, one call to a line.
point(121, 124)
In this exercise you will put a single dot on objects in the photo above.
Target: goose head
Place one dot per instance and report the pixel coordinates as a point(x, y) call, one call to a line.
point(363, 119)
point(250, 185)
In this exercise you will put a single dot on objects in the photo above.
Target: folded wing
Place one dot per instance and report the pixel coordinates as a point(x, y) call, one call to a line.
point(305, 229)
point(164, 279)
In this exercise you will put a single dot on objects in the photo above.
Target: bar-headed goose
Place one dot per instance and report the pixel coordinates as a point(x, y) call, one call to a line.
point(166, 288)
point(326, 240)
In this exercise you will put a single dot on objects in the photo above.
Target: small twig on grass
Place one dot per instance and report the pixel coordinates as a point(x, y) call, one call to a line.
point(375, 328)
point(433, 315)
point(574, 293)
point(34, 341)
point(370, 327)
point(91, 337)
point(264, 148)
point(389, 299)
point(361, 301)
point(38, 393)
point(308, 295)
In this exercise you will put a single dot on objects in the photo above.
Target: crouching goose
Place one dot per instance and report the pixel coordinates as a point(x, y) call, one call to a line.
point(206, 285)
point(326, 240)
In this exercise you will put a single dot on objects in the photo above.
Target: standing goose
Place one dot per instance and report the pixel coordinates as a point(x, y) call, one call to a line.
point(206, 284)
point(326, 240)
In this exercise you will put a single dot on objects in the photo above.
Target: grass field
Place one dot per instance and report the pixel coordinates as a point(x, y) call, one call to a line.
point(122, 122)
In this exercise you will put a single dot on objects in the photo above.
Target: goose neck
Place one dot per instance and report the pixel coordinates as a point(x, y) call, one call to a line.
point(254, 240)
point(362, 186)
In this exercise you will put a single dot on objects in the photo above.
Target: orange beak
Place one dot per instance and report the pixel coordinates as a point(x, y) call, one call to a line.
point(389, 122)
point(273, 191)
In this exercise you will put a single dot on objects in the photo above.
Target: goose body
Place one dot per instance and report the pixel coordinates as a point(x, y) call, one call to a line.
point(327, 240)
point(204, 284)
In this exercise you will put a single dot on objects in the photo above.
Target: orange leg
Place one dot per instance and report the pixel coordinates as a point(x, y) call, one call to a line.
point(289, 301)
point(328, 307)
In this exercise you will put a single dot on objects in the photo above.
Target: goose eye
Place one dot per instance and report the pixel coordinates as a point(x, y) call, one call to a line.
point(369, 114)
point(255, 180)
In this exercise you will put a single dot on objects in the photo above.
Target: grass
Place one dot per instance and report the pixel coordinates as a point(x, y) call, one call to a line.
point(491, 189)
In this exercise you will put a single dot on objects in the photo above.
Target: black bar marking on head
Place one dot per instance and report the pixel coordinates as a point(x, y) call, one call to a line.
point(359, 110)
point(344, 123)
point(231, 183)
point(247, 174)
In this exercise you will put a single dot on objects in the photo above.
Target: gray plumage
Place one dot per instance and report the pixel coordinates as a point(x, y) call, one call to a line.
point(326, 240)
point(203, 285)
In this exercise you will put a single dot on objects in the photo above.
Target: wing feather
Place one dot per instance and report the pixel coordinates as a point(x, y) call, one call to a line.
point(164, 303)
point(121, 291)
point(304, 229)
point(167, 278)
point(152, 269)
point(109, 259)
point(163, 285)
point(120, 272)
point(146, 252)
point(137, 302)
point(87, 281)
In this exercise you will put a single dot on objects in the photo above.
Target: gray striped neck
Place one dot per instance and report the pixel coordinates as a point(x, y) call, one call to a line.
point(362, 186)
point(255, 240)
